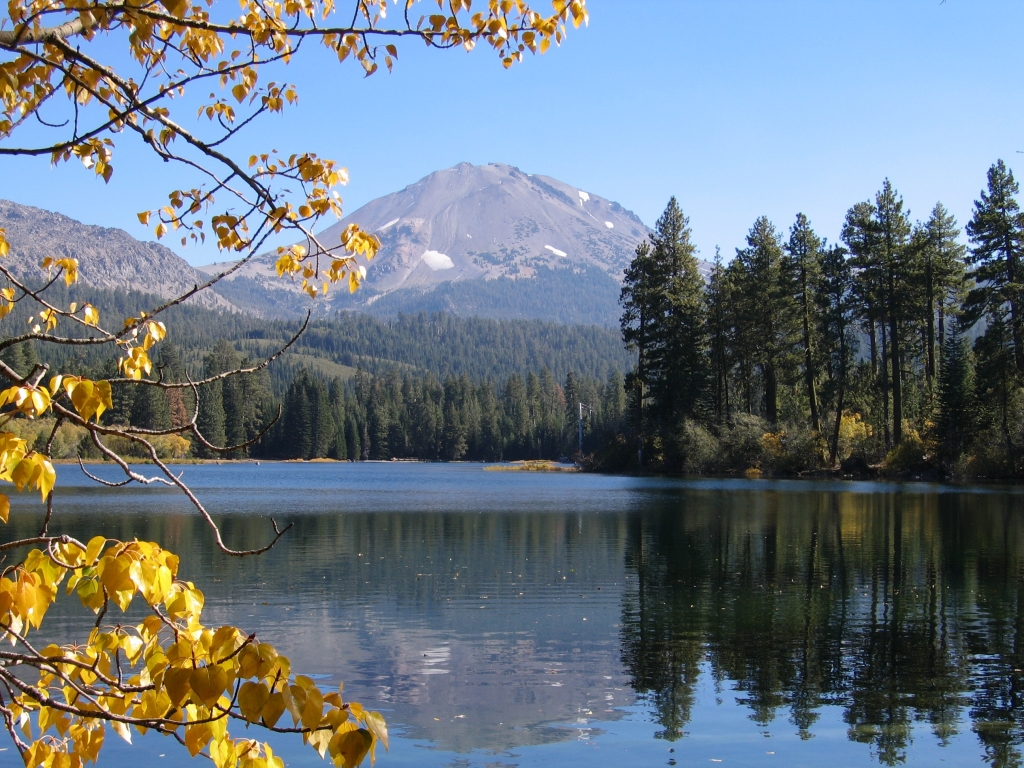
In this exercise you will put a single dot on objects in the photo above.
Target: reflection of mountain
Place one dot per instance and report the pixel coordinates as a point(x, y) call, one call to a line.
point(467, 631)
point(444, 592)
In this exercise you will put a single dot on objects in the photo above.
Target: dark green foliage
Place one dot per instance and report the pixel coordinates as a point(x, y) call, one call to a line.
point(405, 416)
point(766, 313)
point(834, 315)
point(663, 321)
point(804, 256)
point(957, 403)
point(997, 236)
point(786, 386)
point(678, 365)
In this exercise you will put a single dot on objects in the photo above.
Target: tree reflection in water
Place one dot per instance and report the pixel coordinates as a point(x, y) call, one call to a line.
point(904, 609)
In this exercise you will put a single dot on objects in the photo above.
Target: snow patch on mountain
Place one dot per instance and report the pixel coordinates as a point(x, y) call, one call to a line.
point(437, 261)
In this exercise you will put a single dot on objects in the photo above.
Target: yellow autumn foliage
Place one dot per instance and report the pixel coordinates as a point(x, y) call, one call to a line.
point(120, 72)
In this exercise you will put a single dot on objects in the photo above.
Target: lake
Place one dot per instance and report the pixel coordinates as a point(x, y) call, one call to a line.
point(503, 619)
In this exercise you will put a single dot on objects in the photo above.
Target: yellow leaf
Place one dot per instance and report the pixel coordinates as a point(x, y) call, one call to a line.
point(122, 730)
point(349, 748)
point(92, 549)
point(5, 507)
point(208, 683)
point(176, 683)
point(379, 728)
point(252, 698)
point(273, 709)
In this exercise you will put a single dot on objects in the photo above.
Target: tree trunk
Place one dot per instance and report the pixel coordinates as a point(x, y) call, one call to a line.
point(812, 396)
point(885, 389)
point(771, 394)
point(840, 396)
point(874, 347)
point(897, 382)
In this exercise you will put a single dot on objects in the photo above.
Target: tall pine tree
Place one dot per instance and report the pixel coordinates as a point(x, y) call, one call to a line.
point(997, 237)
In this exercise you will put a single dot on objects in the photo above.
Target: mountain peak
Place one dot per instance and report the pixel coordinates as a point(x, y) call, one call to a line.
point(446, 239)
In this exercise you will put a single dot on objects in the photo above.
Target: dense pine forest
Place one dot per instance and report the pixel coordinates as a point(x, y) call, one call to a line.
point(802, 355)
point(432, 387)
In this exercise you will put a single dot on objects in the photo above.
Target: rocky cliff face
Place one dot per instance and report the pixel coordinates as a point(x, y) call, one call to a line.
point(107, 258)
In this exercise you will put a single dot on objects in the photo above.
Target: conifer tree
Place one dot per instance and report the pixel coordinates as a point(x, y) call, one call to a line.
point(996, 376)
point(835, 315)
point(957, 405)
point(717, 302)
point(572, 401)
point(996, 231)
point(767, 313)
point(898, 269)
point(803, 250)
point(640, 315)
point(943, 276)
point(678, 365)
point(887, 276)
point(150, 409)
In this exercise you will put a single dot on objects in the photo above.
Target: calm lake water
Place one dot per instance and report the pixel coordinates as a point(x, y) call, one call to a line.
point(505, 619)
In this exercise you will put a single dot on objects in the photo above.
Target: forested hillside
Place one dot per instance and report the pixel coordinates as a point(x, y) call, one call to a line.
point(353, 386)
point(439, 344)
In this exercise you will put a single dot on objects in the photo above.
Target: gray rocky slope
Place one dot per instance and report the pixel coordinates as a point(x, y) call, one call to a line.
point(107, 258)
point(482, 240)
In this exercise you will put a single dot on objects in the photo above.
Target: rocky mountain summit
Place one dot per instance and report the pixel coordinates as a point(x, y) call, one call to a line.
point(493, 229)
point(107, 258)
point(484, 241)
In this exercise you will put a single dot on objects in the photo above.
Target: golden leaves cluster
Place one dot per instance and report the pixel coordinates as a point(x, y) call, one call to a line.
point(143, 334)
point(23, 468)
point(168, 673)
point(30, 469)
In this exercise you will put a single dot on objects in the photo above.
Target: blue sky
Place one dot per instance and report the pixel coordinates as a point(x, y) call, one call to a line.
point(737, 108)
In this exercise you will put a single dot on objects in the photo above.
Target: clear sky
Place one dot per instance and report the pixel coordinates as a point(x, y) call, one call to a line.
point(737, 108)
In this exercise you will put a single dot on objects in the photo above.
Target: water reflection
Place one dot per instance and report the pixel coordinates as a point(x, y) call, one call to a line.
point(481, 609)
point(901, 608)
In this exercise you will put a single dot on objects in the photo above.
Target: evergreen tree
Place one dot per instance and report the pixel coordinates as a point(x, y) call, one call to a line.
point(180, 401)
point(640, 300)
point(677, 365)
point(767, 313)
point(717, 302)
point(803, 249)
point(995, 377)
point(957, 409)
point(150, 408)
point(835, 315)
point(572, 406)
point(893, 227)
point(211, 419)
point(942, 273)
point(887, 276)
point(997, 237)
